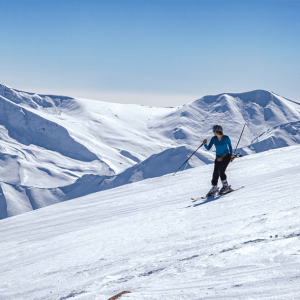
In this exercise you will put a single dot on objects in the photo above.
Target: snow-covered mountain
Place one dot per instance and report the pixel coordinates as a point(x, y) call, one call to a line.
point(277, 137)
point(17, 199)
point(55, 144)
point(148, 238)
point(262, 110)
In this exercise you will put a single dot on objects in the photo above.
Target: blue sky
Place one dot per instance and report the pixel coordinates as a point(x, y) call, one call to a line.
point(163, 53)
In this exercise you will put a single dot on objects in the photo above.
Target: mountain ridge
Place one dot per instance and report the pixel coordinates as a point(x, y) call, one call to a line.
point(50, 141)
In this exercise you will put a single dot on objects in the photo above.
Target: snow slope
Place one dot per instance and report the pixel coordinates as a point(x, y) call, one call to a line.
point(53, 145)
point(17, 199)
point(148, 238)
point(38, 151)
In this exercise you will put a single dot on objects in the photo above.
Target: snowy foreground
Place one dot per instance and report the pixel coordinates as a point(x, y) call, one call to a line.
point(148, 238)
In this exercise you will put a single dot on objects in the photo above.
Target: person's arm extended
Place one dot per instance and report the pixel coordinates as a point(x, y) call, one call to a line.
point(210, 144)
point(229, 145)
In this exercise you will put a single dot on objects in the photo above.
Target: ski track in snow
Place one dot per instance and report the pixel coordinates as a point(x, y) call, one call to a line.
point(149, 238)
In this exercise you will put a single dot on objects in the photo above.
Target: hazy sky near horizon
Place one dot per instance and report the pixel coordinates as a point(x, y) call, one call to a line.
point(152, 52)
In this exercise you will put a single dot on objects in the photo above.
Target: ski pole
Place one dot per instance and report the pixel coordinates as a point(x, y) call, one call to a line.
point(188, 158)
point(240, 138)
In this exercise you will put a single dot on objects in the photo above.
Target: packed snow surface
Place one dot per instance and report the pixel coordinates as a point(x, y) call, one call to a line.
point(149, 238)
point(57, 148)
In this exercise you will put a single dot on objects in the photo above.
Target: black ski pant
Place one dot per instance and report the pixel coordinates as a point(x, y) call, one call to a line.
point(220, 168)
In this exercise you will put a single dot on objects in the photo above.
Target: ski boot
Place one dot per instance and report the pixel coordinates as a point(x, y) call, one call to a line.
point(225, 188)
point(214, 189)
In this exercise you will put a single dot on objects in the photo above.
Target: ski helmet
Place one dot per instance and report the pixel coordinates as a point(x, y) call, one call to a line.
point(218, 128)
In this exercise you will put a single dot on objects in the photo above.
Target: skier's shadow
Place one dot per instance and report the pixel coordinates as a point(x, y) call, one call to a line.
point(206, 201)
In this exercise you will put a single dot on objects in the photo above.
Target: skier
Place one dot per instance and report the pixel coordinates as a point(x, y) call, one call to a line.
point(223, 158)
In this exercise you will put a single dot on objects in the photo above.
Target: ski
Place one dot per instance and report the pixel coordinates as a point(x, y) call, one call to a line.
point(205, 197)
point(217, 194)
point(230, 191)
point(202, 198)
point(193, 200)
